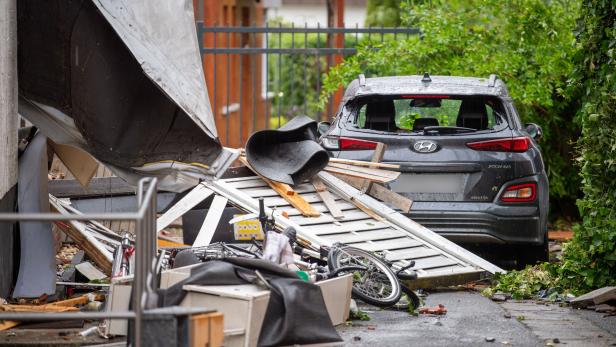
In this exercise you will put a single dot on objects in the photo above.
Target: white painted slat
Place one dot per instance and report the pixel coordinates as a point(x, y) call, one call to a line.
point(377, 246)
point(326, 217)
point(434, 262)
point(277, 201)
point(211, 221)
point(411, 253)
point(379, 234)
point(319, 206)
point(266, 191)
point(328, 229)
point(190, 200)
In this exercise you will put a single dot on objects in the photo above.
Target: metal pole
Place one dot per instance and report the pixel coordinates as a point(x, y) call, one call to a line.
point(8, 135)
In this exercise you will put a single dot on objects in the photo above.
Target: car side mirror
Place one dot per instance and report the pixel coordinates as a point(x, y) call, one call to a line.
point(534, 131)
point(323, 127)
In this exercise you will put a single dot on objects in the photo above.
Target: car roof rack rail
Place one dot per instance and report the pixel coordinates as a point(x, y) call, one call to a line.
point(492, 80)
point(362, 80)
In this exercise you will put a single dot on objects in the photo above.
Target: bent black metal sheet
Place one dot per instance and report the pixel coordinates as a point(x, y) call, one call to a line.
point(289, 154)
point(129, 112)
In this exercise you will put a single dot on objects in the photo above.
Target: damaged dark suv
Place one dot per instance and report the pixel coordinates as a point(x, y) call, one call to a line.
point(475, 173)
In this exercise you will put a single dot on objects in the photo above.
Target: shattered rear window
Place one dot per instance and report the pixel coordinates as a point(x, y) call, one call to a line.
point(407, 113)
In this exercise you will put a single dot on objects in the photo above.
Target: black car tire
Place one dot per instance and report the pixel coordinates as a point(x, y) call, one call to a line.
point(531, 255)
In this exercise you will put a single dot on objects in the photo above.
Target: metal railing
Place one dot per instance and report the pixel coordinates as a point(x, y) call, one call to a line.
point(260, 76)
point(145, 243)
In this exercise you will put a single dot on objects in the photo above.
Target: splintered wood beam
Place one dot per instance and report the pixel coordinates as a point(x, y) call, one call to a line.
point(378, 191)
point(376, 175)
point(377, 156)
point(287, 193)
point(364, 163)
point(327, 198)
point(89, 244)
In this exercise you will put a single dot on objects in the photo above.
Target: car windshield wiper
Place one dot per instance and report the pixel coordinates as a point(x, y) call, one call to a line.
point(443, 130)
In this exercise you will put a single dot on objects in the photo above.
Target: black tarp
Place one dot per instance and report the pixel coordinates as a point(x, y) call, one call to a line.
point(296, 313)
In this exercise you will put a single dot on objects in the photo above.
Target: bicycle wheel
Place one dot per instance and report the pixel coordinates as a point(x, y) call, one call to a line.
point(376, 285)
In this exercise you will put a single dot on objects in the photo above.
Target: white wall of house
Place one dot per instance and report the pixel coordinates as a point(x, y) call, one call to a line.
point(314, 12)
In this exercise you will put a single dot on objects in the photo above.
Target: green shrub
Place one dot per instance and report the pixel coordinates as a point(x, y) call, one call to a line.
point(530, 44)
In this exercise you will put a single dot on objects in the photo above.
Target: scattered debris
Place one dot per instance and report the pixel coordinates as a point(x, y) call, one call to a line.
point(91, 273)
point(490, 339)
point(439, 310)
point(605, 308)
point(596, 297)
point(560, 235)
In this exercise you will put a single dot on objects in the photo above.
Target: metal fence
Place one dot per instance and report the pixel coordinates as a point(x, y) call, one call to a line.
point(144, 281)
point(259, 77)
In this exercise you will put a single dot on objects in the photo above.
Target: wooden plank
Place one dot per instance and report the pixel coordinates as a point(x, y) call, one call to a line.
point(377, 175)
point(378, 191)
point(327, 218)
point(36, 308)
point(268, 192)
point(377, 156)
point(595, 297)
point(396, 200)
point(88, 270)
point(287, 193)
point(91, 246)
point(364, 163)
point(560, 235)
point(206, 330)
point(361, 236)
point(366, 209)
point(342, 227)
point(327, 198)
point(391, 244)
point(211, 221)
point(190, 200)
point(98, 186)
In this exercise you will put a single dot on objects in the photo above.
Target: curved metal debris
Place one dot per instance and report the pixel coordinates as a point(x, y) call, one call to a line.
point(289, 154)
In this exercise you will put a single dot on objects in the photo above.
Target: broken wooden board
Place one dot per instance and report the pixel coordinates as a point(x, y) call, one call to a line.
point(327, 198)
point(90, 272)
point(377, 156)
point(596, 297)
point(375, 175)
point(287, 193)
point(378, 191)
point(402, 242)
point(76, 231)
point(364, 163)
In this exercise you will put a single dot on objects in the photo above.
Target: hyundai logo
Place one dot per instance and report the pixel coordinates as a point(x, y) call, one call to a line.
point(425, 146)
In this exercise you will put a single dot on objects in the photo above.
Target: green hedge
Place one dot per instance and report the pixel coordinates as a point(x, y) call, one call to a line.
point(590, 259)
point(530, 44)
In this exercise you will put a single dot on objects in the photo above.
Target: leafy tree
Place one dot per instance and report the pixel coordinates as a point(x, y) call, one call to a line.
point(590, 259)
point(530, 44)
point(384, 13)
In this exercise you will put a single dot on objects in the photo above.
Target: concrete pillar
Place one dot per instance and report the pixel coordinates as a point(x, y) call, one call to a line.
point(8, 137)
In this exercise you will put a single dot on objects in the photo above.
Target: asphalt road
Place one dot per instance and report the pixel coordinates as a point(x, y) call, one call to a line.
point(470, 319)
